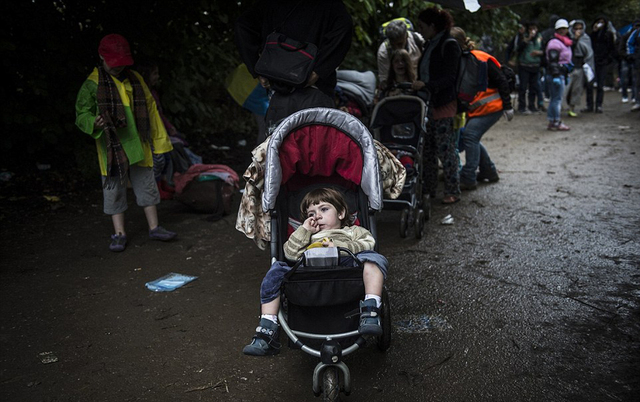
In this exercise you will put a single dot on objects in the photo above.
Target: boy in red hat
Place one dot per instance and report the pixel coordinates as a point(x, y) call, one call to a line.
point(116, 108)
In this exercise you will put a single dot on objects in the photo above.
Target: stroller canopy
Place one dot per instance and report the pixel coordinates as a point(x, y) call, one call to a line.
point(319, 135)
point(360, 85)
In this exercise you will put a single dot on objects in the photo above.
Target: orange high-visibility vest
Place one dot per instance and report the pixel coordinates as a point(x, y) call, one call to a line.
point(489, 101)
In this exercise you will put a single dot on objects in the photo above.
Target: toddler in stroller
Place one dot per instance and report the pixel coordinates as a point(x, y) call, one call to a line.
point(325, 164)
point(326, 224)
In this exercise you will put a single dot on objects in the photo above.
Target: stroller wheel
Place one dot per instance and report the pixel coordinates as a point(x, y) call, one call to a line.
point(384, 341)
point(404, 222)
point(420, 218)
point(330, 384)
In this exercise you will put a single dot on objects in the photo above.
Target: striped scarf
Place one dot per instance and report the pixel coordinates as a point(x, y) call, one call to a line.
point(112, 110)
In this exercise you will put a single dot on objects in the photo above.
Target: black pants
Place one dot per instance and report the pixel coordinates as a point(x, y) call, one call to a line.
point(528, 80)
point(601, 73)
point(283, 105)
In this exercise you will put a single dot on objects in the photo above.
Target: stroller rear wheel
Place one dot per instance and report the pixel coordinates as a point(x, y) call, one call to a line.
point(420, 224)
point(404, 222)
point(330, 384)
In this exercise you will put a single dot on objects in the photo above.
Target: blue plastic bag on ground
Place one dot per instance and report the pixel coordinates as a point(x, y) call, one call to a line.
point(169, 282)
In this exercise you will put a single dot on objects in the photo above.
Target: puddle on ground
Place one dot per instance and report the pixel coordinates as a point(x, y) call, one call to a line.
point(416, 324)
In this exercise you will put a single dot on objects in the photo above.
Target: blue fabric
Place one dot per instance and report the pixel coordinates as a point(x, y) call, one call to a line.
point(555, 104)
point(270, 288)
point(257, 102)
point(631, 42)
point(476, 155)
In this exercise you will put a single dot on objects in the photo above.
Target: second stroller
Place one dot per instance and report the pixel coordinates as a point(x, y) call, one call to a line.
point(399, 122)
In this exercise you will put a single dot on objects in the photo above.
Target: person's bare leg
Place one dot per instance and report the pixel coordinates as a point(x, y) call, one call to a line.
point(151, 212)
point(272, 307)
point(373, 279)
point(118, 224)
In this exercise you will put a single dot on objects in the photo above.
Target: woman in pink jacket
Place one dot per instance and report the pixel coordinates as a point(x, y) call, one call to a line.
point(559, 57)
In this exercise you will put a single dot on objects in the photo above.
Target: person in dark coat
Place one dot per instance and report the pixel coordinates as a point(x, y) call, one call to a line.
point(603, 42)
point(325, 23)
point(437, 74)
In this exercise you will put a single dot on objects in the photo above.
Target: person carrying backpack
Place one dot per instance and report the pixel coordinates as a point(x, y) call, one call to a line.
point(397, 37)
point(559, 65)
point(484, 111)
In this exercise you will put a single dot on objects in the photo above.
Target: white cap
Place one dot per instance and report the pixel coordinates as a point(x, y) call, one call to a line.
point(562, 23)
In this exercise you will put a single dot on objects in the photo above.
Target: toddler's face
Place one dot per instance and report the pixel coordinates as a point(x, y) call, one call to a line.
point(399, 66)
point(325, 215)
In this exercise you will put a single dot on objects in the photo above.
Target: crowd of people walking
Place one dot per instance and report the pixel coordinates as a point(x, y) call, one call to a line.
point(570, 59)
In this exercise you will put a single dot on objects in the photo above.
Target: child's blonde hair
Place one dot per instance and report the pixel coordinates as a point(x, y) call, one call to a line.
point(464, 41)
point(329, 195)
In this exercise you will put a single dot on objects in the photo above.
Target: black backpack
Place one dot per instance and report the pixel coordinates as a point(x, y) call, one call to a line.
point(472, 77)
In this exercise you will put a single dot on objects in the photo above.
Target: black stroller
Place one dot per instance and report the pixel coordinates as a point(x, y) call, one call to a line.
point(399, 122)
point(309, 149)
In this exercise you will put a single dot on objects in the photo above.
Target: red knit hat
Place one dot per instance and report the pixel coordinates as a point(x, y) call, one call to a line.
point(115, 51)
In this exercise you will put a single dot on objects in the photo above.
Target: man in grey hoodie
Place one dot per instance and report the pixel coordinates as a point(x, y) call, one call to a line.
point(583, 73)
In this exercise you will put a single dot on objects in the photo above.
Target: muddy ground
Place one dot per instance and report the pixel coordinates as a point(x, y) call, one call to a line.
point(533, 294)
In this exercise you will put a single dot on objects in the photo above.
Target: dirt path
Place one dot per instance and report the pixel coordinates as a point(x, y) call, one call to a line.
point(532, 294)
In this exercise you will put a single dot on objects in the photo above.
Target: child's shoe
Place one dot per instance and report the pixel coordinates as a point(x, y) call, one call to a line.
point(118, 242)
point(162, 234)
point(265, 341)
point(369, 318)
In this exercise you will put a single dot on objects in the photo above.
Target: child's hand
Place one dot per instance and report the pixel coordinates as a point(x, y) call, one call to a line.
point(417, 85)
point(311, 225)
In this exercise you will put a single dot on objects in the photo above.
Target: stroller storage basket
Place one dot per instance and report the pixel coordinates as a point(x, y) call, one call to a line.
point(324, 287)
point(319, 299)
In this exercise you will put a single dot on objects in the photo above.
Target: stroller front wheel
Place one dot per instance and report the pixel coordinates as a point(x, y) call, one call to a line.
point(330, 384)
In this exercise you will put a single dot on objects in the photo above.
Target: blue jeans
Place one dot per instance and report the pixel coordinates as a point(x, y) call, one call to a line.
point(555, 104)
point(476, 155)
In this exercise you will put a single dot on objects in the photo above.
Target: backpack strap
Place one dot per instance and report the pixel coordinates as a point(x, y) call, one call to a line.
point(449, 39)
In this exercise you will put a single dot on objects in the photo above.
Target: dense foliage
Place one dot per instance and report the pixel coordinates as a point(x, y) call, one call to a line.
point(49, 47)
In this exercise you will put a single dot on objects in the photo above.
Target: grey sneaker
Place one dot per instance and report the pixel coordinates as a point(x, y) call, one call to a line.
point(162, 234)
point(265, 341)
point(369, 318)
point(118, 242)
